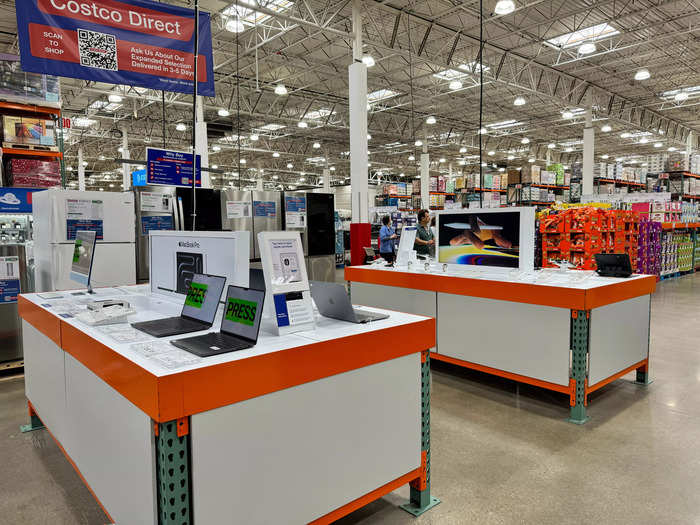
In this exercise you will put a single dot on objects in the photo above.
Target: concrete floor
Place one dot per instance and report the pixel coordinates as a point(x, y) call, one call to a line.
point(501, 452)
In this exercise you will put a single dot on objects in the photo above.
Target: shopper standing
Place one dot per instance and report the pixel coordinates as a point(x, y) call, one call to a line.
point(425, 240)
point(387, 235)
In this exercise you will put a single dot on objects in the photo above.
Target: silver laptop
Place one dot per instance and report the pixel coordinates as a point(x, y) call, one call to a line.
point(332, 301)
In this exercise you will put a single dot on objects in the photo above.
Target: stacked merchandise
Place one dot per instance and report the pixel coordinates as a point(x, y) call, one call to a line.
point(437, 201)
point(32, 173)
point(450, 186)
point(695, 163)
point(659, 211)
point(690, 212)
point(669, 255)
point(676, 162)
point(18, 86)
point(649, 253)
point(27, 131)
point(578, 234)
point(684, 243)
point(538, 245)
point(697, 249)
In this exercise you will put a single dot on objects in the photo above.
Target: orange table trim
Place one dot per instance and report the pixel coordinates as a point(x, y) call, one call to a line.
point(558, 297)
point(41, 319)
point(72, 463)
point(367, 498)
point(607, 381)
point(569, 389)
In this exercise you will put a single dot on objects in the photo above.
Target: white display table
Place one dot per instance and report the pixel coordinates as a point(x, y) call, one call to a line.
point(571, 332)
point(299, 429)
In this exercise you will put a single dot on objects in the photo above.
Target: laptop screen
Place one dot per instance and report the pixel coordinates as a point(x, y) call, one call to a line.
point(242, 312)
point(203, 296)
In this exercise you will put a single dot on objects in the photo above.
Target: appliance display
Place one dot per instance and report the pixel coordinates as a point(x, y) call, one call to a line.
point(487, 237)
point(15, 277)
point(253, 211)
point(208, 209)
point(59, 214)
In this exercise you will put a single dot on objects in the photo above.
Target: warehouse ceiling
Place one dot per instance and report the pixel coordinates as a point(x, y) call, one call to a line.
point(555, 56)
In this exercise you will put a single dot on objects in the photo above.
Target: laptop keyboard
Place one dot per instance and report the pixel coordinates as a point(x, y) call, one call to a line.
point(227, 342)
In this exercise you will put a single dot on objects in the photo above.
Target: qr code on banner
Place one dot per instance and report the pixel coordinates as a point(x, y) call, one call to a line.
point(97, 50)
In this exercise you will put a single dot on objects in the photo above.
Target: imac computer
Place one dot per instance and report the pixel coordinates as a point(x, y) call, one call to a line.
point(83, 255)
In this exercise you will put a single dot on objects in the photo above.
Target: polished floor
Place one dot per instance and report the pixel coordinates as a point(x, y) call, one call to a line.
point(502, 452)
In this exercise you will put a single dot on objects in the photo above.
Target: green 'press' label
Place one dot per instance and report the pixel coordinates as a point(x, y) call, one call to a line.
point(240, 311)
point(76, 250)
point(196, 295)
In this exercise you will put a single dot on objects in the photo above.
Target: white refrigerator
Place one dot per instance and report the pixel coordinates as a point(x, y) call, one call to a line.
point(58, 214)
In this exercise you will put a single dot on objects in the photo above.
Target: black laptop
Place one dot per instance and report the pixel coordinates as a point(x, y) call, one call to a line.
point(240, 325)
point(613, 264)
point(198, 312)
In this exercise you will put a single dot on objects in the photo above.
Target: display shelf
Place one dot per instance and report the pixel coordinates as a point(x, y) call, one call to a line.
point(679, 225)
point(484, 190)
point(683, 174)
point(31, 153)
point(440, 193)
point(29, 108)
point(536, 185)
point(622, 182)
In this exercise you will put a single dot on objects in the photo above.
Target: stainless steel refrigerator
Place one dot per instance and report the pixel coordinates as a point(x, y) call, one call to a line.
point(14, 258)
point(155, 206)
point(253, 211)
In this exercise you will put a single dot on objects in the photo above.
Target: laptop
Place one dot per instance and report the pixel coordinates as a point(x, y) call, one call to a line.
point(240, 325)
point(332, 301)
point(198, 312)
point(613, 264)
point(256, 279)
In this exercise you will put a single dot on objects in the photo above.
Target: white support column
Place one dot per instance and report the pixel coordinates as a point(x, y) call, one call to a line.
point(81, 170)
point(688, 150)
point(126, 168)
point(326, 180)
point(588, 148)
point(357, 72)
point(425, 177)
point(201, 143)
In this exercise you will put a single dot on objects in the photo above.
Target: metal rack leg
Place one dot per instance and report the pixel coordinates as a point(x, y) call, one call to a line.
point(580, 321)
point(34, 421)
point(420, 499)
point(173, 472)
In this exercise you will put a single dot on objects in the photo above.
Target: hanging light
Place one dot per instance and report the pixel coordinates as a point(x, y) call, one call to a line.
point(180, 126)
point(567, 114)
point(672, 148)
point(525, 140)
point(607, 128)
point(419, 143)
point(275, 154)
point(482, 131)
point(492, 153)
point(243, 161)
point(643, 140)
point(234, 25)
point(254, 137)
point(442, 160)
point(430, 120)
point(642, 74)
point(605, 157)
point(114, 98)
point(223, 112)
point(368, 60)
point(463, 149)
point(511, 157)
point(657, 144)
point(504, 7)
point(302, 124)
point(411, 157)
point(216, 147)
point(280, 89)
point(290, 166)
point(332, 168)
point(214, 167)
point(587, 48)
point(569, 149)
point(681, 97)
point(369, 137)
point(455, 85)
point(316, 145)
point(551, 146)
point(531, 160)
point(625, 135)
point(519, 101)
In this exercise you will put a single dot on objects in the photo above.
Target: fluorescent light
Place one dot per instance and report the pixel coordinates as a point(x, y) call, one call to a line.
point(492, 153)
point(605, 157)
point(442, 160)
point(672, 148)
point(302, 179)
point(511, 157)
point(381, 94)
point(551, 146)
point(519, 101)
point(691, 91)
point(243, 161)
point(254, 137)
point(430, 120)
point(302, 124)
point(411, 157)
point(214, 167)
point(455, 85)
point(642, 74)
point(223, 112)
point(216, 147)
point(450, 74)
point(180, 126)
point(589, 34)
point(275, 177)
point(368, 61)
point(290, 166)
point(83, 122)
point(462, 162)
point(501, 170)
point(316, 145)
point(525, 140)
point(587, 48)
point(625, 135)
point(504, 124)
point(569, 149)
point(504, 7)
point(643, 140)
point(531, 160)
point(657, 144)
point(275, 154)
point(462, 149)
point(115, 98)
point(332, 168)
point(369, 137)
point(419, 143)
point(607, 128)
point(272, 127)
point(567, 114)
point(280, 89)
point(681, 96)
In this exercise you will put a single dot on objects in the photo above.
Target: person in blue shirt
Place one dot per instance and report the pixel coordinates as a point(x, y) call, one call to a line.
point(387, 235)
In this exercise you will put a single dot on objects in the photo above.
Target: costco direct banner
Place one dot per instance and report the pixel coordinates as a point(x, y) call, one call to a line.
point(132, 42)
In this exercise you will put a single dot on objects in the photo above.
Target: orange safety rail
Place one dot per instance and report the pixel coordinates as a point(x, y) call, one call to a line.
point(559, 297)
point(173, 396)
point(29, 108)
point(569, 389)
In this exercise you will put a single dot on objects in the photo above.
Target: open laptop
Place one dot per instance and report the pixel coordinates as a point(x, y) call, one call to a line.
point(613, 264)
point(332, 301)
point(198, 312)
point(240, 325)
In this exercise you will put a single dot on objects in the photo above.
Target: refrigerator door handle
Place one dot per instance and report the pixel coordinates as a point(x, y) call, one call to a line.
point(181, 213)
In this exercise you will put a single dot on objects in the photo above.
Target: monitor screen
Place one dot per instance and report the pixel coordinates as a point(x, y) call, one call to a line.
point(243, 312)
point(203, 296)
point(83, 254)
point(480, 239)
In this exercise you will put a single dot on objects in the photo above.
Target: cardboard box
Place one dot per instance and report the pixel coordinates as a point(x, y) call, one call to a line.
point(23, 130)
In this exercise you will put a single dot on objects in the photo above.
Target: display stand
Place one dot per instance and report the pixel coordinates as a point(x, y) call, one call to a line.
point(405, 253)
point(286, 281)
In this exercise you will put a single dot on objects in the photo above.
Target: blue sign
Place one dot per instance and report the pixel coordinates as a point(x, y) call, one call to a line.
point(9, 290)
point(16, 200)
point(74, 225)
point(156, 222)
point(265, 209)
point(138, 178)
point(171, 168)
point(132, 42)
point(295, 203)
point(281, 309)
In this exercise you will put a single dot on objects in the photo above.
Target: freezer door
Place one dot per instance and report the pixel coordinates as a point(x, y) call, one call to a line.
point(237, 213)
point(267, 215)
point(114, 265)
point(321, 223)
point(208, 209)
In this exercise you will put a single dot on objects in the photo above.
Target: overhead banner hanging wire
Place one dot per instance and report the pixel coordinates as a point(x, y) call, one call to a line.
point(194, 117)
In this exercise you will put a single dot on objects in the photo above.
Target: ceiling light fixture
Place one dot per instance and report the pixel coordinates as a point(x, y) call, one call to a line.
point(567, 114)
point(525, 140)
point(482, 131)
point(332, 168)
point(180, 127)
point(605, 157)
point(254, 137)
point(302, 124)
point(411, 157)
point(504, 7)
point(587, 48)
point(442, 160)
point(492, 153)
point(643, 140)
point(455, 85)
point(672, 148)
point(551, 146)
point(368, 61)
point(531, 160)
point(462, 149)
point(214, 167)
point(419, 143)
point(519, 101)
point(430, 120)
point(681, 97)
point(275, 154)
point(216, 147)
point(243, 161)
point(625, 135)
point(607, 128)
point(280, 89)
point(642, 74)
point(223, 112)
point(316, 145)
point(369, 137)
point(114, 98)
point(511, 157)
point(290, 166)
point(657, 144)
point(569, 149)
